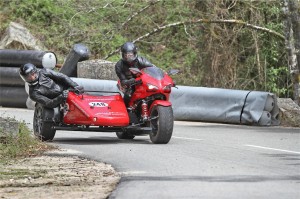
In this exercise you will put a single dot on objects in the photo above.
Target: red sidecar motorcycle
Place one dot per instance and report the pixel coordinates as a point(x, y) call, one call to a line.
point(149, 112)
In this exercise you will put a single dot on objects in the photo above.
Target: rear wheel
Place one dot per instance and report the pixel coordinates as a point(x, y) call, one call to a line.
point(42, 127)
point(124, 135)
point(162, 125)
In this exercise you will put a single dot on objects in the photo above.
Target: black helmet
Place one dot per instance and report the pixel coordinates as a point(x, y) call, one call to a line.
point(129, 52)
point(28, 73)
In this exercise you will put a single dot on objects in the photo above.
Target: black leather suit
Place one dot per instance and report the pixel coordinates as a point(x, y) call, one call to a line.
point(48, 90)
point(122, 68)
point(123, 72)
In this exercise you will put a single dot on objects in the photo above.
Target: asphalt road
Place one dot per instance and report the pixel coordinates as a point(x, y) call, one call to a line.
point(202, 160)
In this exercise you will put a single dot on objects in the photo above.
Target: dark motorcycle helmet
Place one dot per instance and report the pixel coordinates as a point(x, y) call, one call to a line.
point(129, 52)
point(29, 73)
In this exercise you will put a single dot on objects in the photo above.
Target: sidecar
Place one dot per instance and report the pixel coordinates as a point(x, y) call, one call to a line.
point(95, 110)
point(98, 111)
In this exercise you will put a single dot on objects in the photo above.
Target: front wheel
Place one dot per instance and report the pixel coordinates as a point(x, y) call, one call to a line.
point(42, 127)
point(162, 125)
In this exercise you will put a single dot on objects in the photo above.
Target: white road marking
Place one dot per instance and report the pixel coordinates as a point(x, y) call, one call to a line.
point(194, 123)
point(128, 173)
point(186, 138)
point(261, 147)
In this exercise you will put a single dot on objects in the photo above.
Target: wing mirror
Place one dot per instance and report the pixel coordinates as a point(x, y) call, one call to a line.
point(173, 71)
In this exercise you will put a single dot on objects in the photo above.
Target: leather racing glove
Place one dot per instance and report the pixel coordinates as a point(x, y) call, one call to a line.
point(79, 89)
point(129, 82)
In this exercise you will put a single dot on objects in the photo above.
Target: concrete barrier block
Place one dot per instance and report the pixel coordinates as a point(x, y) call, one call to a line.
point(97, 69)
point(8, 127)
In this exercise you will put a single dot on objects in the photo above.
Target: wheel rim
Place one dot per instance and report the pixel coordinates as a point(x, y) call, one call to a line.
point(154, 123)
point(38, 121)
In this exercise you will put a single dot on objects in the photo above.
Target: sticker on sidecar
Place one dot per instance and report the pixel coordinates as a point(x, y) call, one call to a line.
point(98, 104)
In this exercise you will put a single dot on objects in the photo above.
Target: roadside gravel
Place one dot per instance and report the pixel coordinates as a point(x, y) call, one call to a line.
point(57, 176)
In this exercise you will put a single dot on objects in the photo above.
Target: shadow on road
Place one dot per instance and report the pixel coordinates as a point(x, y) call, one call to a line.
point(96, 140)
point(234, 178)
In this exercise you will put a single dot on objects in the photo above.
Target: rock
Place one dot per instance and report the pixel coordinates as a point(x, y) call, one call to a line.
point(8, 127)
point(289, 112)
point(97, 69)
point(18, 37)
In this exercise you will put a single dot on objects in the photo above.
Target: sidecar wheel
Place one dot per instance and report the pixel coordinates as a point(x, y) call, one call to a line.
point(162, 126)
point(43, 129)
point(124, 135)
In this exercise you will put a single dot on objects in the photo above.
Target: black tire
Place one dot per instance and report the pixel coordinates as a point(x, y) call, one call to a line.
point(162, 126)
point(124, 135)
point(42, 128)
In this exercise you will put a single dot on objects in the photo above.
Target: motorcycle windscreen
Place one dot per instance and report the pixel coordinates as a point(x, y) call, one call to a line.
point(96, 110)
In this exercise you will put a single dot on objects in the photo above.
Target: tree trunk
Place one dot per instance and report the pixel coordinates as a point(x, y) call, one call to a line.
point(292, 38)
point(294, 6)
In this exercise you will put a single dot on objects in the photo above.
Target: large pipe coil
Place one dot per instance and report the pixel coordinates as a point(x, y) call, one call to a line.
point(9, 76)
point(13, 97)
point(16, 58)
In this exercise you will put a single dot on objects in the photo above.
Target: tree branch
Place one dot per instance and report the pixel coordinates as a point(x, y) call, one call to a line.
point(230, 21)
point(138, 12)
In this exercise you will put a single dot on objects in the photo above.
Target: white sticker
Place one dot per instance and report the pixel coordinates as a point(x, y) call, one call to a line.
point(98, 104)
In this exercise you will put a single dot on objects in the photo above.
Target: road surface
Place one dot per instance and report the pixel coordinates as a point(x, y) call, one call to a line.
point(202, 160)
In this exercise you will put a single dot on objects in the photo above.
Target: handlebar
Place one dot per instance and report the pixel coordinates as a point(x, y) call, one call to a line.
point(136, 82)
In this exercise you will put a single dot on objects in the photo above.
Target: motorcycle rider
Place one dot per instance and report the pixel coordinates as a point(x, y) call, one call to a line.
point(130, 59)
point(46, 86)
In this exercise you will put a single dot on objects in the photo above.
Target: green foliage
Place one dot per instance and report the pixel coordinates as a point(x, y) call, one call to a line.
point(222, 55)
point(278, 81)
point(24, 144)
point(43, 12)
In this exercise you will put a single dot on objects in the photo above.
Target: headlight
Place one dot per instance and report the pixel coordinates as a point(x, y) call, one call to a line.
point(151, 88)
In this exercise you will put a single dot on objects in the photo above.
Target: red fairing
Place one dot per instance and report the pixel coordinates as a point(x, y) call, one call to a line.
point(160, 103)
point(96, 110)
point(152, 86)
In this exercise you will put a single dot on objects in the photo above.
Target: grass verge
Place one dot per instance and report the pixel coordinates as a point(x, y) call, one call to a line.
point(20, 145)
